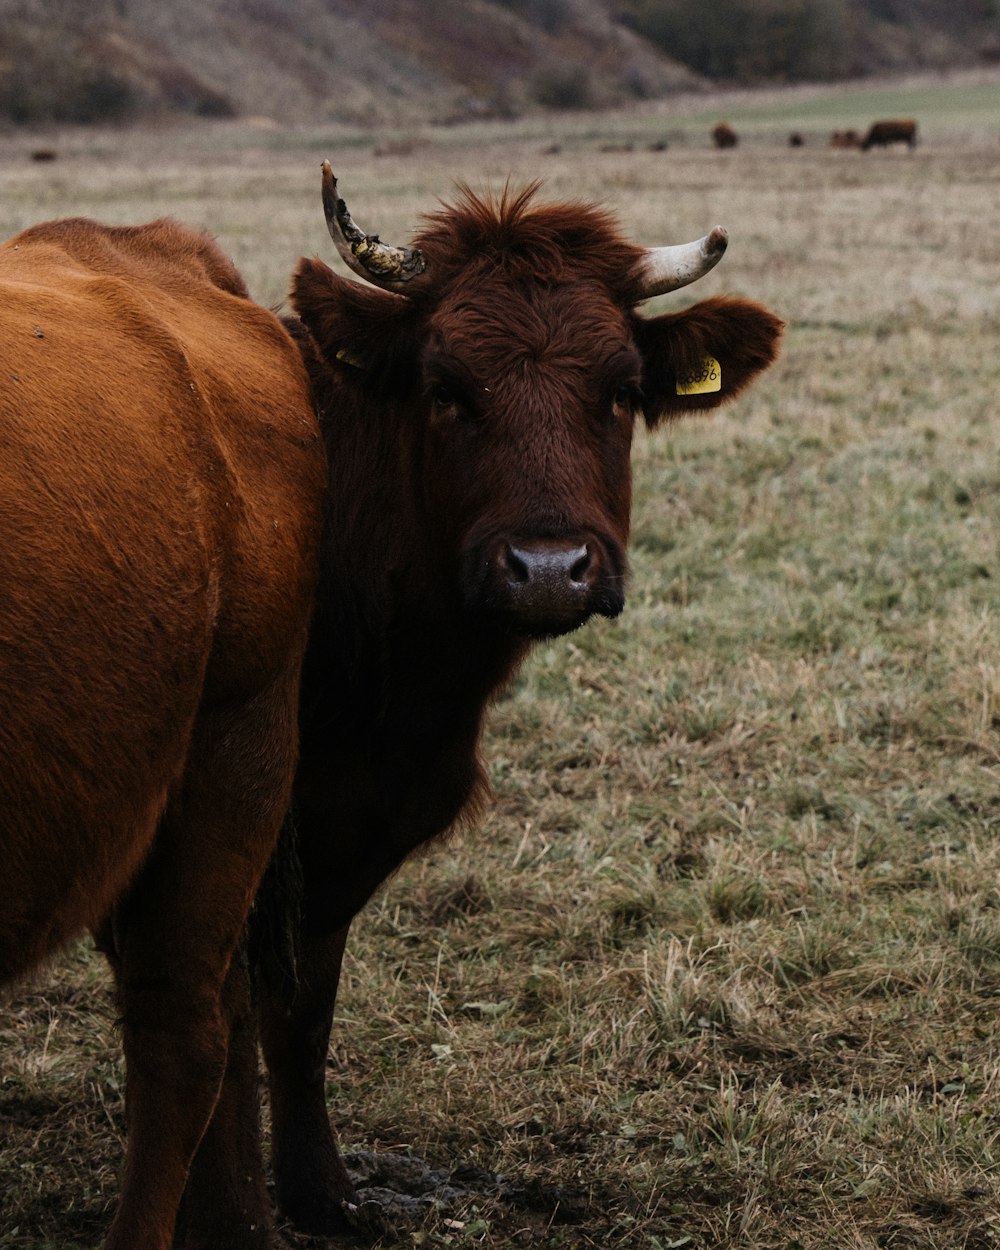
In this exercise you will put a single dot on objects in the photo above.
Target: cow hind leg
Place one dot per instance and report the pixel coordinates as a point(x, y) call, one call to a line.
point(182, 1000)
point(225, 1204)
point(311, 1181)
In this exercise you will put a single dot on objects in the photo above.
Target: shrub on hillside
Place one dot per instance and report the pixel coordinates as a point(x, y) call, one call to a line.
point(753, 40)
point(83, 96)
point(56, 75)
point(563, 87)
point(183, 91)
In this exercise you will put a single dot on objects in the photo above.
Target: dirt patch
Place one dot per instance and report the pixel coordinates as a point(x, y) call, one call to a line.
point(396, 1192)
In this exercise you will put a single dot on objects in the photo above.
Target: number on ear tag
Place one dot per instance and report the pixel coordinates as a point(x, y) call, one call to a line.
point(703, 380)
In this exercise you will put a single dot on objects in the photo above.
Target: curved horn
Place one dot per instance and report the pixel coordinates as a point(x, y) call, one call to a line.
point(667, 268)
point(394, 268)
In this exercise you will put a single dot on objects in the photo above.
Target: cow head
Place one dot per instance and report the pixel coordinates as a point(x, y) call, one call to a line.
point(508, 338)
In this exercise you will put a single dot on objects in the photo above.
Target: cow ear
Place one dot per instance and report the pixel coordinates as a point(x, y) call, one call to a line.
point(358, 329)
point(705, 355)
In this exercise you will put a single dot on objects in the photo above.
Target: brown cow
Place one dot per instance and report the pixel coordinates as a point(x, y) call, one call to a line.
point(882, 134)
point(845, 139)
point(724, 136)
point(161, 492)
point(478, 403)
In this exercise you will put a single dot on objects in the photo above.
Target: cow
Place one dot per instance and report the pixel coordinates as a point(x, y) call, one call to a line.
point(162, 486)
point(724, 136)
point(883, 134)
point(478, 394)
point(845, 139)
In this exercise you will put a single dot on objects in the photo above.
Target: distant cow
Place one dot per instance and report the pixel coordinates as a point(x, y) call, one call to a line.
point(724, 136)
point(478, 395)
point(845, 139)
point(161, 490)
point(795, 140)
point(882, 134)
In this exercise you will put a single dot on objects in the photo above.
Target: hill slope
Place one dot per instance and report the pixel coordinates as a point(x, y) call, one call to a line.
point(392, 61)
point(358, 60)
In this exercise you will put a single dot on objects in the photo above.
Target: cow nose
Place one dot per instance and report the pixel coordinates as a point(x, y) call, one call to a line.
point(548, 569)
point(545, 586)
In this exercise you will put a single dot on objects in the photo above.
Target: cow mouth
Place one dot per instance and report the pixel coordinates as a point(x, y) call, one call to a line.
point(540, 588)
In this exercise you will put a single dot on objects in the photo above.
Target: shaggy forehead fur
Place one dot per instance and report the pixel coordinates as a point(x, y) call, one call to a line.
point(543, 243)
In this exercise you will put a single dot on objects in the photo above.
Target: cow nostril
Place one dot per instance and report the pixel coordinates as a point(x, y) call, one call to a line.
point(517, 566)
point(578, 571)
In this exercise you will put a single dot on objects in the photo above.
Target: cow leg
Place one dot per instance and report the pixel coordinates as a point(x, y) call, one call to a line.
point(175, 1042)
point(309, 1173)
point(175, 934)
point(226, 1204)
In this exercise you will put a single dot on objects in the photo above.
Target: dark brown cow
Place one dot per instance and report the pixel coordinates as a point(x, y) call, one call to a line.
point(724, 136)
point(478, 414)
point(161, 491)
point(883, 134)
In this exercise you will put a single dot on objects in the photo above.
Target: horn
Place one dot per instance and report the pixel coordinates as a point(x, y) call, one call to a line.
point(393, 268)
point(667, 268)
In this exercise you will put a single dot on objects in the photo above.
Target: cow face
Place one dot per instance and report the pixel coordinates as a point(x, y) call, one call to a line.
point(512, 369)
point(529, 395)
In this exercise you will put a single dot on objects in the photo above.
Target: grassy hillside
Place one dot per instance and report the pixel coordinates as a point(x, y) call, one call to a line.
point(376, 61)
point(389, 61)
point(798, 40)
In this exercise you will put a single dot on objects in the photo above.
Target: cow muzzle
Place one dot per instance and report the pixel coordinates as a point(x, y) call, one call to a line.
point(543, 587)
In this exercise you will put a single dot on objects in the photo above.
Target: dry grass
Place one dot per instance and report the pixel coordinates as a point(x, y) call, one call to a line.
point(721, 967)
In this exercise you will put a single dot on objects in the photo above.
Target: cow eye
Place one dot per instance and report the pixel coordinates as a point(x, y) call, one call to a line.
point(442, 395)
point(450, 402)
point(627, 399)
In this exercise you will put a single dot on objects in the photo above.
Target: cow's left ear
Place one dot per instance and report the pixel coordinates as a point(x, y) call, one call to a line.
point(705, 355)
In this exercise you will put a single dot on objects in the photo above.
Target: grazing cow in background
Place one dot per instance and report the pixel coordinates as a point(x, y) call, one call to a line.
point(883, 134)
point(724, 136)
point(161, 492)
point(795, 140)
point(478, 395)
point(845, 139)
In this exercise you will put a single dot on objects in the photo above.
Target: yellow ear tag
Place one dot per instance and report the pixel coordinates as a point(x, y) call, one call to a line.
point(702, 380)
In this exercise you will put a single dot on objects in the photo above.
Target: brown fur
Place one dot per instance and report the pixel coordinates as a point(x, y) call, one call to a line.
point(492, 412)
point(161, 481)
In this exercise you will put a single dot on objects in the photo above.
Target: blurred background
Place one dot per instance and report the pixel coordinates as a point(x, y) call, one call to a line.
point(377, 61)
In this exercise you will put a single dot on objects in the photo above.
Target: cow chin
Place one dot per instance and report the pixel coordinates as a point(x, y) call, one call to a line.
point(537, 620)
point(550, 625)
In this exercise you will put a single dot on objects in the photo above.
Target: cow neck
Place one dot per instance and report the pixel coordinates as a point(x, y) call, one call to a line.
point(391, 636)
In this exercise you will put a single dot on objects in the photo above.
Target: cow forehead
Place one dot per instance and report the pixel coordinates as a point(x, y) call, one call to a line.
point(574, 324)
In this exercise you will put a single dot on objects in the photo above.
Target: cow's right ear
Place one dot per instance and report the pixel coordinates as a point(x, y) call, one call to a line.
point(366, 332)
point(705, 355)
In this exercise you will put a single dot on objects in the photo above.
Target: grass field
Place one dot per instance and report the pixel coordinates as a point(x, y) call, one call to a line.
point(721, 967)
